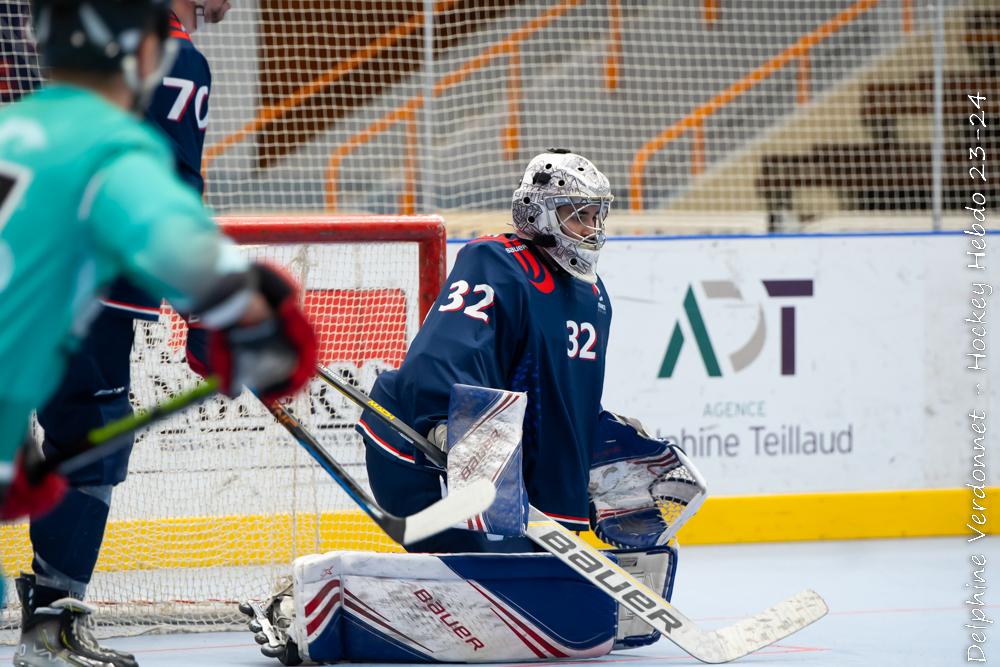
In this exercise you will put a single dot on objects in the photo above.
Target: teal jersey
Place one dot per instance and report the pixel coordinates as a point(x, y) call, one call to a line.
point(87, 193)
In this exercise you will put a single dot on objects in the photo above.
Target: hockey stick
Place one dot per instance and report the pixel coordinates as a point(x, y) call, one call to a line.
point(444, 514)
point(716, 646)
point(111, 437)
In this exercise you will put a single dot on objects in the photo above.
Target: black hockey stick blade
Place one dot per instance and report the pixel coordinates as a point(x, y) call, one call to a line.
point(446, 513)
point(719, 646)
point(113, 436)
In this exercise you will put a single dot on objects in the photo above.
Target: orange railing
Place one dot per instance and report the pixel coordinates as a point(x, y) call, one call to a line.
point(317, 85)
point(695, 120)
point(510, 134)
point(407, 111)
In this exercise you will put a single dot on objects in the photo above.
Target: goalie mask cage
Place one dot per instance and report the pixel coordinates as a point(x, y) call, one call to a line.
point(219, 499)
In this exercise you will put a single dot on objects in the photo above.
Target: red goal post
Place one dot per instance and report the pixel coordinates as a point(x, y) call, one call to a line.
point(427, 231)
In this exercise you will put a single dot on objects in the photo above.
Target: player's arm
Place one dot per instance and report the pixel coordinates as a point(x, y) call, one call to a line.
point(473, 334)
point(158, 232)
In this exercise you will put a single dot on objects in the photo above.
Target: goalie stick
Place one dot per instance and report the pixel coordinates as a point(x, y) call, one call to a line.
point(710, 646)
point(454, 508)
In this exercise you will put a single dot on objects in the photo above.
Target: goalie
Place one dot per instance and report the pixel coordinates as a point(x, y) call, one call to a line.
point(526, 315)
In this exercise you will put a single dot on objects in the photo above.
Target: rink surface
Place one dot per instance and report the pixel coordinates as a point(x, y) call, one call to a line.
point(892, 602)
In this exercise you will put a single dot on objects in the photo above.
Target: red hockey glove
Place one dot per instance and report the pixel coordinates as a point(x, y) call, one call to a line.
point(277, 356)
point(27, 489)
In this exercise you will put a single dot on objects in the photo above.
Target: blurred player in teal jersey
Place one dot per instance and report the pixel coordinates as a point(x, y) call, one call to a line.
point(95, 389)
point(87, 194)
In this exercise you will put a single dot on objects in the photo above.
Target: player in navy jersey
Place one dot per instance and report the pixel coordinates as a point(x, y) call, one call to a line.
point(95, 389)
point(521, 312)
point(521, 315)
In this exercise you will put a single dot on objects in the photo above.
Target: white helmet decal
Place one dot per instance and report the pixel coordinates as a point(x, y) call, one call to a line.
point(556, 189)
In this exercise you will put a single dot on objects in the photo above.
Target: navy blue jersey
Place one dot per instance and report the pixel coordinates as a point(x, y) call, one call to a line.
point(509, 319)
point(180, 108)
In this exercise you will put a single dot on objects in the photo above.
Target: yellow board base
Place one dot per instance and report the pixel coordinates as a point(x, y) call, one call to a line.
point(150, 544)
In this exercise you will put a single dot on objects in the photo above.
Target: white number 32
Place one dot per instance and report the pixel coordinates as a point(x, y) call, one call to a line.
point(574, 349)
point(456, 300)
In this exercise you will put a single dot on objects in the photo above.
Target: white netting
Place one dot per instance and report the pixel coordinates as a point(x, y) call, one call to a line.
point(709, 114)
point(220, 499)
point(705, 115)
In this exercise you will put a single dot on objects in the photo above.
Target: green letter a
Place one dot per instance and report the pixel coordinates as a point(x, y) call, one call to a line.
point(700, 337)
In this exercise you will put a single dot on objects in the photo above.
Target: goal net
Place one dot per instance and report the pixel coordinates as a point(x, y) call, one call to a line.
point(220, 499)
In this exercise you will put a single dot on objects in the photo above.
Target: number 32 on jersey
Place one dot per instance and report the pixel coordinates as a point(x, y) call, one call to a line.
point(582, 349)
point(457, 292)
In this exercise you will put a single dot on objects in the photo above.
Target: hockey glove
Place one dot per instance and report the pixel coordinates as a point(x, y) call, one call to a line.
point(438, 436)
point(26, 488)
point(642, 490)
point(276, 356)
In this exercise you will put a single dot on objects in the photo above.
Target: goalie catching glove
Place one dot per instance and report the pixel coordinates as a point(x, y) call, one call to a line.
point(269, 347)
point(642, 490)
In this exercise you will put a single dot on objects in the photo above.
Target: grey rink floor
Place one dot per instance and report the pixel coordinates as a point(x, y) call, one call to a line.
point(892, 602)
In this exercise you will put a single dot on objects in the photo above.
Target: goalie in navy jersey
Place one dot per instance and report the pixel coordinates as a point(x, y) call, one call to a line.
point(527, 313)
point(95, 389)
point(506, 376)
point(523, 312)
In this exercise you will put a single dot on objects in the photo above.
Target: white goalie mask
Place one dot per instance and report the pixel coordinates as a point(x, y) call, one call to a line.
point(562, 204)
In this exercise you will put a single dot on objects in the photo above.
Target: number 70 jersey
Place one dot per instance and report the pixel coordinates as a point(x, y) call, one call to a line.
point(509, 319)
point(180, 106)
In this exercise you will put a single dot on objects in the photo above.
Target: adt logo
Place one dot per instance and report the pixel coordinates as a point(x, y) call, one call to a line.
point(749, 351)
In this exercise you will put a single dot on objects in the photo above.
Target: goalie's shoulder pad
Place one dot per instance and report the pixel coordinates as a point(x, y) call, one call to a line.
point(371, 607)
point(505, 258)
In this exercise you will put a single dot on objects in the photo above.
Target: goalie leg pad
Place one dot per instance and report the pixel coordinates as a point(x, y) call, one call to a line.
point(655, 568)
point(369, 607)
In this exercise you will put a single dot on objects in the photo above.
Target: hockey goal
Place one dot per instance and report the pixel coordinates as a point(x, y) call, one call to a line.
point(219, 500)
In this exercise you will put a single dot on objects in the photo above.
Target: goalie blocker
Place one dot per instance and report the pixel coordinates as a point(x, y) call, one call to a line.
point(367, 607)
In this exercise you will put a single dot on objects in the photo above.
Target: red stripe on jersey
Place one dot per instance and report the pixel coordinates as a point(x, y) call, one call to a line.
point(567, 519)
point(508, 244)
point(531, 260)
point(383, 444)
point(498, 238)
point(176, 34)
